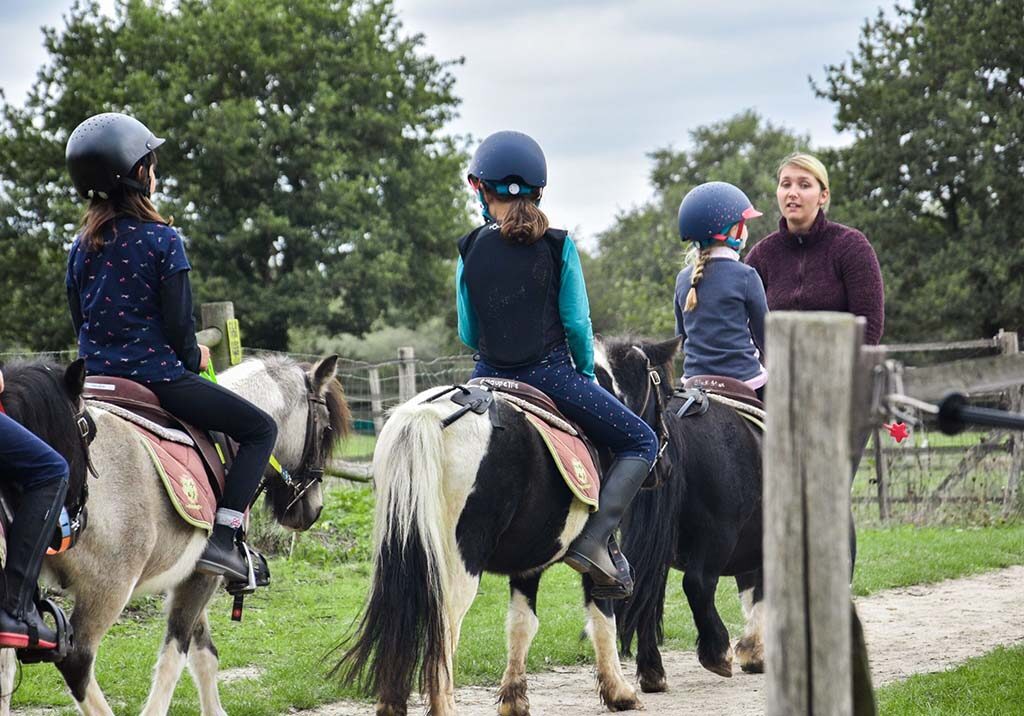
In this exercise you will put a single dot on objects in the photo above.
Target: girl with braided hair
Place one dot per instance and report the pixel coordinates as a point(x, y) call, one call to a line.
point(720, 302)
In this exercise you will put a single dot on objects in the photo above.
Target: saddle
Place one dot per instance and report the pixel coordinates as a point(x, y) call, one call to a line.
point(574, 454)
point(695, 393)
point(189, 462)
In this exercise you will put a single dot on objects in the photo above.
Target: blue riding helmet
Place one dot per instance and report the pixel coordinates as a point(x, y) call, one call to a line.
point(510, 164)
point(709, 210)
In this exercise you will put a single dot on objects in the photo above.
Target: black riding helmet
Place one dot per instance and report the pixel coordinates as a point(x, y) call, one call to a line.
point(103, 151)
point(510, 164)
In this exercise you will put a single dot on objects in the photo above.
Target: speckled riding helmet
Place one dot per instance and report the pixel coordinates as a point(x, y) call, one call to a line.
point(709, 210)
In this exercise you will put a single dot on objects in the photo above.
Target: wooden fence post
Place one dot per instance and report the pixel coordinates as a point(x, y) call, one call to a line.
point(812, 360)
point(406, 373)
point(1008, 345)
point(221, 317)
point(376, 400)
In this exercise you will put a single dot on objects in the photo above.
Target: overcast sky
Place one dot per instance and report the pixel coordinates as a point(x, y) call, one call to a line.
point(599, 83)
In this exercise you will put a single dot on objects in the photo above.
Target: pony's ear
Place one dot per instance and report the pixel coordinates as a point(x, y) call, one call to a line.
point(662, 353)
point(323, 372)
point(74, 378)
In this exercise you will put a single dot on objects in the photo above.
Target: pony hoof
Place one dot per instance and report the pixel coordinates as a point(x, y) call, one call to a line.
point(653, 684)
point(750, 655)
point(391, 709)
point(512, 699)
point(627, 704)
point(722, 667)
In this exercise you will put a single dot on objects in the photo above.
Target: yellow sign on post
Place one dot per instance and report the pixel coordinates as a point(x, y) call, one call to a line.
point(234, 342)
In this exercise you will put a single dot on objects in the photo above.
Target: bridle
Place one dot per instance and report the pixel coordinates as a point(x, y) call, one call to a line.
point(306, 475)
point(658, 419)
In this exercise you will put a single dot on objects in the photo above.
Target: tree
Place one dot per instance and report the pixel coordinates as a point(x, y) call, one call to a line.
point(632, 279)
point(304, 161)
point(935, 97)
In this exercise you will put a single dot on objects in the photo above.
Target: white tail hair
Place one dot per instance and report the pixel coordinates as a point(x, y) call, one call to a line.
point(408, 464)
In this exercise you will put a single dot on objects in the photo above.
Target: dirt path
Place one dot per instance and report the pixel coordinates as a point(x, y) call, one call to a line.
point(918, 629)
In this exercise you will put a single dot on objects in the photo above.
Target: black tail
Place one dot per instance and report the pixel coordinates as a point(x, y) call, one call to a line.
point(400, 624)
point(649, 538)
point(403, 623)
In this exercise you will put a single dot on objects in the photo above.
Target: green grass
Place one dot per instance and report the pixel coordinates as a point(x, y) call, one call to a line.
point(992, 685)
point(316, 594)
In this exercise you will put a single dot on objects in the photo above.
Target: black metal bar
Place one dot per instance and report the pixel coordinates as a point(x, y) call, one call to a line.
point(955, 414)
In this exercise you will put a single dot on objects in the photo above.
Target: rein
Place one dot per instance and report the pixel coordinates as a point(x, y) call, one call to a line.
point(306, 476)
point(654, 386)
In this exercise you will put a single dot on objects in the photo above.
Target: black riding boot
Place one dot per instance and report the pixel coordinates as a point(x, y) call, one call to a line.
point(590, 552)
point(223, 555)
point(21, 625)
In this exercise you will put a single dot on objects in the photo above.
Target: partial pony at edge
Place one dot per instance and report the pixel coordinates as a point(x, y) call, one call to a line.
point(403, 623)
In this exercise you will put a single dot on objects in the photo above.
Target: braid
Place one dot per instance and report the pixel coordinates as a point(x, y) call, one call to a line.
point(698, 274)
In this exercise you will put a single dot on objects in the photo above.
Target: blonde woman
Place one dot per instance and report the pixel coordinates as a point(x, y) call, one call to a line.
point(811, 263)
point(720, 304)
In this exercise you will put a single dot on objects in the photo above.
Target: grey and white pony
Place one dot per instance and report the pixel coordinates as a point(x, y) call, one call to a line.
point(135, 543)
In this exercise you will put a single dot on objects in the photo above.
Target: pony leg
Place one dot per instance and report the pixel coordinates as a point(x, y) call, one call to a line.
point(750, 648)
point(713, 648)
point(8, 669)
point(203, 663)
point(520, 629)
point(184, 607)
point(616, 692)
point(94, 614)
point(461, 591)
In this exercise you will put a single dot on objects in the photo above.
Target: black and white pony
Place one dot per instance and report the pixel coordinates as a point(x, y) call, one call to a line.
point(135, 542)
point(455, 502)
point(704, 519)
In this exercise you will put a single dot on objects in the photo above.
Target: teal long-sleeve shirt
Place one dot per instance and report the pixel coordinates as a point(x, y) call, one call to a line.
point(573, 309)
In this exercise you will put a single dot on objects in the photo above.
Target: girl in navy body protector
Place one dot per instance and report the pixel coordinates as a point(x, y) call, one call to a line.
point(723, 331)
point(131, 306)
point(42, 475)
point(522, 305)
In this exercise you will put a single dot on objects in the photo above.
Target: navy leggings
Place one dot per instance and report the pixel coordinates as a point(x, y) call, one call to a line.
point(601, 415)
point(26, 459)
point(211, 407)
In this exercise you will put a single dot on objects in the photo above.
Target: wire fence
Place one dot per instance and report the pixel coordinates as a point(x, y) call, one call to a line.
point(930, 478)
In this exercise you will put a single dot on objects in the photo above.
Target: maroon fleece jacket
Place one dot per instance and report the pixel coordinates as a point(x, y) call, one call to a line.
point(830, 268)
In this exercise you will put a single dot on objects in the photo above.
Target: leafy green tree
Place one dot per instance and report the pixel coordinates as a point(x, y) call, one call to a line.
point(632, 278)
point(935, 97)
point(305, 161)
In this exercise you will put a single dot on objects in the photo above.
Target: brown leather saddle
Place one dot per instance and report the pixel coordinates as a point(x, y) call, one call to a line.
point(142, 401)
point(726, 387)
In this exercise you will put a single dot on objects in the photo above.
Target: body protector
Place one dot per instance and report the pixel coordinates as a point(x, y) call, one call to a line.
point(104, 149)
point(709, 210)
point(514, 290)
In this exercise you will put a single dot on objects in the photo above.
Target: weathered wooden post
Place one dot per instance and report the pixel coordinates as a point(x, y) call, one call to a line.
point(406, 373)
point(1008, 345)
point(376, 399)
point(225, 349)
point(812, 360)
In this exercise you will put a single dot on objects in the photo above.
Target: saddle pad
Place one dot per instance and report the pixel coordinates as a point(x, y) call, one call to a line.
point(573, 460)
point(184, 477)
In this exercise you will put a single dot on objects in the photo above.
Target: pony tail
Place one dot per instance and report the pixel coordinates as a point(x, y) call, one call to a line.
point(524, 222)
point(698, 274)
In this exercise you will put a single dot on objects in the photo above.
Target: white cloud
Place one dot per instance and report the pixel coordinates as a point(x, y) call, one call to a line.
point(599, 83)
